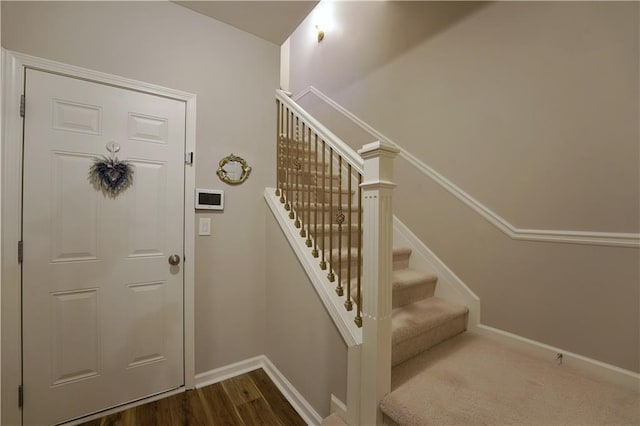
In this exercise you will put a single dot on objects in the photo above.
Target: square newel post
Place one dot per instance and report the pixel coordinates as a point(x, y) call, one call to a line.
point(375, 367)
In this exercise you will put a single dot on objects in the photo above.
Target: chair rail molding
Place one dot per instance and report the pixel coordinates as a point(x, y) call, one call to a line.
point(614, 239)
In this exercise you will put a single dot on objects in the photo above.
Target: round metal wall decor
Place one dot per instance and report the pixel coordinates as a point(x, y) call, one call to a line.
point(109, 174)
point(233, 170)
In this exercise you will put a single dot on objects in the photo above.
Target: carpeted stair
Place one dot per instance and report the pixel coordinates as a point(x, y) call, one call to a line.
point(419, 319)
point(440, 374)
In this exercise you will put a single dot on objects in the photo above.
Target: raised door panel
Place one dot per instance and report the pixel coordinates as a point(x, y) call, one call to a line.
point(147, 197)
point(74, 220)
point(75, 336)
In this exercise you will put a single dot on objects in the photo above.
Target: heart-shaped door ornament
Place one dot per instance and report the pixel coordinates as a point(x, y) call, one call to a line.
point(110, 175)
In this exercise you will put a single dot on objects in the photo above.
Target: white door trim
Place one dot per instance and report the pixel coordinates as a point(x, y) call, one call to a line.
point(13, 65)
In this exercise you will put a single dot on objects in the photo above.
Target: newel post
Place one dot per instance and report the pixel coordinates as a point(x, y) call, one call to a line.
point(375, 367)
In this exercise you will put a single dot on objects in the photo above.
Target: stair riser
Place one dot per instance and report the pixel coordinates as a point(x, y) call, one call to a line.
point(412, 347)
point(401, 261)
point(354, 264)
point(405, 296)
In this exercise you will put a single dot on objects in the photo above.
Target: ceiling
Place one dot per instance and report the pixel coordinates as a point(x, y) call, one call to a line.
point(273, 21)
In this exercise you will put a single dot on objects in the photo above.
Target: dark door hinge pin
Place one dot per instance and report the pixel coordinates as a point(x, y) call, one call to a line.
point(20, 251)
point(22, 105)
point(20, 396)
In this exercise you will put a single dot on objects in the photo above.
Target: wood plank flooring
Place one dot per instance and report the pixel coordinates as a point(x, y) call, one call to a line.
point(249, 399)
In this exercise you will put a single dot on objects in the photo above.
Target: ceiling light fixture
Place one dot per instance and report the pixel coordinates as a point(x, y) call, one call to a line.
point(320, 34)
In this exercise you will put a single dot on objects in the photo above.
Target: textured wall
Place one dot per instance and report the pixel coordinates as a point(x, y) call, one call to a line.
point(530, 107)
point(234, 75)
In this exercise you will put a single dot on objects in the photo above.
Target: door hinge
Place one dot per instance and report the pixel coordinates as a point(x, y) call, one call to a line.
point(22, 107)
point(20, 396)
point(20, 251)
point(188, 158)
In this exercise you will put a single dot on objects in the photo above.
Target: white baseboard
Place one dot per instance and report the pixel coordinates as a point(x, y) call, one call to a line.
point(449, 286)
point(297, 401)
point(306, 411)
point(602, 370)
point(338, 407)
point(228, 371)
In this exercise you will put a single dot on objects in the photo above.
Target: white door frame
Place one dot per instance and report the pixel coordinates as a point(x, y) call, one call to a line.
point(13, 65)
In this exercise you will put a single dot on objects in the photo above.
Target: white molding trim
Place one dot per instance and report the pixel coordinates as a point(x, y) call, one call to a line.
point(616, 239)
point(343, 319)
point(228, 371)
point(299, 403)
point(449, 285)
point(294, 397)
point(600, 369)
point(13, 64)
point(338, 407)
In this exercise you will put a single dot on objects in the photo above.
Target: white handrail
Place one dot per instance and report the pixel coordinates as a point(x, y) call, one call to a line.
point(338, 145)
point(612, 239)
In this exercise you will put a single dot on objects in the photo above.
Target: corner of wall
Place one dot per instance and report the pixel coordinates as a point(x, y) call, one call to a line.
point(284, 64)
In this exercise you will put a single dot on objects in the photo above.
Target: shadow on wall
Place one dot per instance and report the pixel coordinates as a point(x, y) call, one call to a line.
point(392, 27)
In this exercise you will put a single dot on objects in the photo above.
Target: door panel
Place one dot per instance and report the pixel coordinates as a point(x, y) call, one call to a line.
point(102, 307)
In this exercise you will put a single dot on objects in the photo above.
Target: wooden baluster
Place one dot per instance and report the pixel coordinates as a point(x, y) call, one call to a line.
point(339, 221)
point(289, 178)
point(358, 319)
point(277, 147)
point(283, 148)
point(298, 166)
point(316, 204)
point(330, 276)
point(301, 215)
point(323, 262)
point(311, 182)
point(348, 304)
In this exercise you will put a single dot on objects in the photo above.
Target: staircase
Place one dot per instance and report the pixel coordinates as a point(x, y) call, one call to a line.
point(319, 189)
point(410, 360)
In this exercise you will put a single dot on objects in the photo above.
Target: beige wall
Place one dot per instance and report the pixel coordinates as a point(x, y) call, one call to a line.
point(301, 339)
point(234, 75)
point(532, 108)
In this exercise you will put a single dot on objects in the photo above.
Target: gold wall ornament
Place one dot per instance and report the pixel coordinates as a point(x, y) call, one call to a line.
point(233, 170)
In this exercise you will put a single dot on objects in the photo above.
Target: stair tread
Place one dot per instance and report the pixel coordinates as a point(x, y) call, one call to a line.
point(408, 277)
point(397, 252)
point(419, 317)
point(400, 251)
point(325, 206)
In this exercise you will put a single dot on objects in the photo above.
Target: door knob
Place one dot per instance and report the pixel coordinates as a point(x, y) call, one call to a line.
point(174, 260)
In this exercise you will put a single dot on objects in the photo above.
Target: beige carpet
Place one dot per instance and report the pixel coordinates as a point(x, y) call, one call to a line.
point(473, 380)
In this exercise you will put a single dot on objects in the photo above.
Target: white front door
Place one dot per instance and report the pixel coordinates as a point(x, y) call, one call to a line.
point(102, 306)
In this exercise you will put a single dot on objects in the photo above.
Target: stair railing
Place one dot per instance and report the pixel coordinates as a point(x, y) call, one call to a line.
point(318, 182)
point(325, 186)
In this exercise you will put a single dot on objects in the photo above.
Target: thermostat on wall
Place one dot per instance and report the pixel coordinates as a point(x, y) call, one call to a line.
point(209, 199)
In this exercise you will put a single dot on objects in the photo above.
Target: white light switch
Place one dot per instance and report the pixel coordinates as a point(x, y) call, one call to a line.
point(204, 226)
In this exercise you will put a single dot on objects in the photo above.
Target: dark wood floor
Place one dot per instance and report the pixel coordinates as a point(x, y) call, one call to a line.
point(249, 399)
